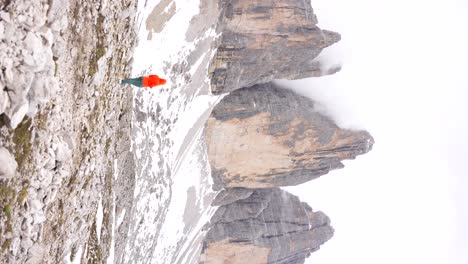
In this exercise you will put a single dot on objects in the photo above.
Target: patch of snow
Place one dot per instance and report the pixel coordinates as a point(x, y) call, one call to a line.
point(121, 218)
point(62, 150)
point(26, 55)
point(110, 258)
point(171, 44)
point(181, 231)
point(170, 208)
point(197, 64)
point(99, 215)
point(200, 106)
point(116, 174)
point(76, 259)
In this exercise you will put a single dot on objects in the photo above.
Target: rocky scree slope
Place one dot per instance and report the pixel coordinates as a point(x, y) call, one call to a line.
point(30, 34)
point(65, 126)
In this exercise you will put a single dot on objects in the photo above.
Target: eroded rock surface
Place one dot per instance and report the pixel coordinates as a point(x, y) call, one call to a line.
point(265, 136)
point(267, 226)
point(264, 40)
point(30, 41)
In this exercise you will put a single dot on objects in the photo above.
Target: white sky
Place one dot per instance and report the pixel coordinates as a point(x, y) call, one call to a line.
point(405, 80)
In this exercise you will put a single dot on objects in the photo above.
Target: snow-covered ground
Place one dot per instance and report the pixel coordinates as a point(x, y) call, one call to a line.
point(172, 183)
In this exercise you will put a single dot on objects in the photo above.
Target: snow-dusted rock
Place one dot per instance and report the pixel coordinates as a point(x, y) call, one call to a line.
point(18, 80)
point(39, 217)
point(18, 113)
point(18, 84)
point(9, 165)
point(31, 15)
point(36, 205)
point(37, 253)
point(58, 47)
point(26, 243)
point(63, 151)
point(9, 31)
point(50, 164)
point(32, 41)
point(5, 16)
point(5, 61)
point(30, 33)
point(59, 24)
point(41, 90)
point(50, 196)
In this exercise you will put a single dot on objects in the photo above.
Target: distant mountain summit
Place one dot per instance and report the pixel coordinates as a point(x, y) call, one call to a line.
point(266, 40)
point(263, 226)
point(260, 136)
point(265, 136)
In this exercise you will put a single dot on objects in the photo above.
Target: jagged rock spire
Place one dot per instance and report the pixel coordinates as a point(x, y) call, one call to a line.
point(265, 136)
point(266, 40)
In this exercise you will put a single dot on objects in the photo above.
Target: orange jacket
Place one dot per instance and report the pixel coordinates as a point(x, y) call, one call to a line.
point(152, 80)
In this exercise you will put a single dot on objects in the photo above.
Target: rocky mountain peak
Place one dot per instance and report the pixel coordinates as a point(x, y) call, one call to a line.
point(266, 40)
point(273, 137)
point(264, 226)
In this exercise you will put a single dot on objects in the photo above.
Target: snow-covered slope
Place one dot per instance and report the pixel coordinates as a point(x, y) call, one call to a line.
point(173, 185)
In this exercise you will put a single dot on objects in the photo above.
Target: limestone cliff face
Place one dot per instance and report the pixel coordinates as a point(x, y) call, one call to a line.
point(263, 226)
point(264, 40)
point(265, 136)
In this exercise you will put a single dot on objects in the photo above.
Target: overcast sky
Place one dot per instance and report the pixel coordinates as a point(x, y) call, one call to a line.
point(405, 80)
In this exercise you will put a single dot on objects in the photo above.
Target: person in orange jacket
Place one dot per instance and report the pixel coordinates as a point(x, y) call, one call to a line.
point(145, 81)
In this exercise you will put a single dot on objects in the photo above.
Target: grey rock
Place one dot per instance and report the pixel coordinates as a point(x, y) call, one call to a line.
point(56, 11)
point(40, 91)
point(269, 226)
point(273, 137)
point(37, 253)
point(31, 15)
point(26, 243)
point(59, 24)
point(265, 40)
point(8, 164)
point(9, 31)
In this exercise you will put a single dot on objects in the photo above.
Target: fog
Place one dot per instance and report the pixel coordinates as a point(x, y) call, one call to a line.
point(404, 79)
